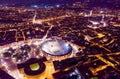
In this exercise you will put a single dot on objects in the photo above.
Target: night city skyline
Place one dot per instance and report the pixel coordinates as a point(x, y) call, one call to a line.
point(59, 39)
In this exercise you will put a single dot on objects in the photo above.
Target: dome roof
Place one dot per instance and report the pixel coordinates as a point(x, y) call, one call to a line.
point(56, 47)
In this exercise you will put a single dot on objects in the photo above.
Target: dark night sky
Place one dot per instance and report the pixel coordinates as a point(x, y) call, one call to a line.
point(42, 1)
point(35, 1)
point(51, 1)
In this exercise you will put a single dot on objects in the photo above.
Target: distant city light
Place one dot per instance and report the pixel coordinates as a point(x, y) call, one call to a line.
point(35, 6)
point(101, 11)
point(47, 6)
point(58, 5)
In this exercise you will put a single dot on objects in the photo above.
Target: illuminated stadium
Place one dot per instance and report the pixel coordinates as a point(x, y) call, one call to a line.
point(56, 47)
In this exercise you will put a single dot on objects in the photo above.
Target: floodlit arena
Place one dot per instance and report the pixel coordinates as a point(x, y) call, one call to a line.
point(56, 47)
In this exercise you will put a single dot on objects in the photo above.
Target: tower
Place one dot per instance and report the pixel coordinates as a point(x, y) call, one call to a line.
point(34, 17)
point(91, 12)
